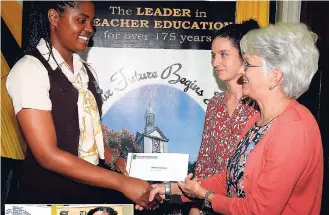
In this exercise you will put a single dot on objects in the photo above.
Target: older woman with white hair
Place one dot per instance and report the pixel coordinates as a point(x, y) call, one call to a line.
point(277, 166)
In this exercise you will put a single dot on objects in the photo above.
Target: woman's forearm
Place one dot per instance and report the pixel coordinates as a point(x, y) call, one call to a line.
point(39, 131)
point(81, 171)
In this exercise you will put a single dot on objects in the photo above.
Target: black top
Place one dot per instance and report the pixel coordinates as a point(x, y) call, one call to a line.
point(39, 185)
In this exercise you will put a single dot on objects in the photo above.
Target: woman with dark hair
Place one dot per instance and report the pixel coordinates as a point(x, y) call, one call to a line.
point(228, 112)
point(102, 211)
point(58, 108)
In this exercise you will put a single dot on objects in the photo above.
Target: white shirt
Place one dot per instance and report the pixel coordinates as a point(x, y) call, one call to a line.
point(28, 81)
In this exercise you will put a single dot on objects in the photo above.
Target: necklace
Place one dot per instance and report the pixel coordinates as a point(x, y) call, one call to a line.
point(267, 122)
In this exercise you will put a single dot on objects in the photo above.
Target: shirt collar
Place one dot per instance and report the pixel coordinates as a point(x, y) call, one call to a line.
point(43, 49)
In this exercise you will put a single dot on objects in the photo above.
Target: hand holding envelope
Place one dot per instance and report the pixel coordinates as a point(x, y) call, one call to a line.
point(121, 165)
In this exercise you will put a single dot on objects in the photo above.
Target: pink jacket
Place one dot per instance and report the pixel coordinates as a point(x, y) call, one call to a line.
point(284, 172)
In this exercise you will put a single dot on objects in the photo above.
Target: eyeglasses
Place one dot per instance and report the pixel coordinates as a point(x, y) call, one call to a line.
point(246, 65)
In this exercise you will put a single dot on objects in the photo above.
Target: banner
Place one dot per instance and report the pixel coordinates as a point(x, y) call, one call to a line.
point(153, 62)
point(154, 70)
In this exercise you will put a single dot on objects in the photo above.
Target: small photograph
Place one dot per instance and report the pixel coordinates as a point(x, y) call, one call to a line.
point(27, 209)
point(105, 209)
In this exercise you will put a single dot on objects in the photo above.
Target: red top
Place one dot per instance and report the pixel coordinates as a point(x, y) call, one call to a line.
point(220, 134)
point(283, 173)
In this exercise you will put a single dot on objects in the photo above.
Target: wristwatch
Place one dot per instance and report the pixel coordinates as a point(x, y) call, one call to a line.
point(206, 201)
point(168, 193)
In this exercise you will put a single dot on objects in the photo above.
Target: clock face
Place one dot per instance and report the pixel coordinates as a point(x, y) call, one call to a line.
point(156, 146)
point(149, 119)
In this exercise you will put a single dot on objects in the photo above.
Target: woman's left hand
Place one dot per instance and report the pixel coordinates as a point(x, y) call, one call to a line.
point(120, 165)
point(192, 188)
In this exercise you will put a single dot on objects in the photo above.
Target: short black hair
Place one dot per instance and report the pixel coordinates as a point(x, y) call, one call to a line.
point(108, 210)
point(38, 26)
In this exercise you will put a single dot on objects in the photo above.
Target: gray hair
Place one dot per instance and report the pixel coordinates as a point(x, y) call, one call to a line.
point(290, 47)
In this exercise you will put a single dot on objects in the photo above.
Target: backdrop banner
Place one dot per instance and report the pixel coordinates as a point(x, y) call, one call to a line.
point(153, 62)
point(154, 70)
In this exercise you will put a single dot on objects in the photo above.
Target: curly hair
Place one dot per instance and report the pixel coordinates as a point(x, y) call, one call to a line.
point(290, 47)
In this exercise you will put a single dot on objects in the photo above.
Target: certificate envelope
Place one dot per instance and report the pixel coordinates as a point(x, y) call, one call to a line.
point(158, 166)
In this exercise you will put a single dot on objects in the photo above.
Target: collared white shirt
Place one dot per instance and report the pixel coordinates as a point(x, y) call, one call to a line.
point(28, 81)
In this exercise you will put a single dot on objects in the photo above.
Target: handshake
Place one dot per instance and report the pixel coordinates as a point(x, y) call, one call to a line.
point(149, 197)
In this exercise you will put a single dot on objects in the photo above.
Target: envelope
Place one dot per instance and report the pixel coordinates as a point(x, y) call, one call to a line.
point(158, 166)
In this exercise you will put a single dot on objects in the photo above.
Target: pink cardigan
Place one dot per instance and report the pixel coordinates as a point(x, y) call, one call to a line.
point(284, 172)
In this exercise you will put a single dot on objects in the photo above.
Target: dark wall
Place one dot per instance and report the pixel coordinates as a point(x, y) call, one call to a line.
point(316, 16)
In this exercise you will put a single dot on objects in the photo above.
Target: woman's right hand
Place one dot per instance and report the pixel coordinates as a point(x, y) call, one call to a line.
point(157, 189)
point(137, 190)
